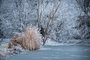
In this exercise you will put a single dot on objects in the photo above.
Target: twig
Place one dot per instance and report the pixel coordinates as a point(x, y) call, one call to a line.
point(50, 21)
point(39, 14)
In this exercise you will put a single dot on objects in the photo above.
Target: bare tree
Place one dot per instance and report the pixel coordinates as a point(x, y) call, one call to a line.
point(51, 16)
point(20, 7)
point(39, 13)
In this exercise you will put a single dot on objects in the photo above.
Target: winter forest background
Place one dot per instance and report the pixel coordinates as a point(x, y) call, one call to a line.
point(70, 18)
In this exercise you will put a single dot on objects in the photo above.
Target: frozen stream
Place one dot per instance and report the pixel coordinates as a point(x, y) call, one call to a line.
point(54, 51)
point(61, 52)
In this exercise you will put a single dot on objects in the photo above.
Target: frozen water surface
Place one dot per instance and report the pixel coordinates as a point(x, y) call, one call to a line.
point(54, 51)
point(59, 52)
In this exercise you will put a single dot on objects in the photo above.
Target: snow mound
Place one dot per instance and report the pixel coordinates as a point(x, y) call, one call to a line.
point(52, 43)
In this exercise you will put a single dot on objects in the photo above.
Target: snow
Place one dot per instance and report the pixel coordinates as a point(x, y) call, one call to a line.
point(3, 49)
point(52, 43)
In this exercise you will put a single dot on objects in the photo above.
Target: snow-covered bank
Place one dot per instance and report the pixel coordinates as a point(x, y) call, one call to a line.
point(3, 49)
point(55, 43)
point(5, 40)
point(68, 42)
point(52, 43)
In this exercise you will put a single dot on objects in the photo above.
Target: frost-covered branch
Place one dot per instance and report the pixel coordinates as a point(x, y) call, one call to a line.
point(39, 14)
point(51, 17)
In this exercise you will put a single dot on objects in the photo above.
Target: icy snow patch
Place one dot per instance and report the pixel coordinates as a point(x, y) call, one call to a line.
point(52, 43)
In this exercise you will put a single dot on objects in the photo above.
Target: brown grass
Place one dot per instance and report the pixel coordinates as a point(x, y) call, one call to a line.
point(29, 40)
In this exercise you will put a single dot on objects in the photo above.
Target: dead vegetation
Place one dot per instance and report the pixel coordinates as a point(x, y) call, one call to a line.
point(29, 40)
point(51, 16)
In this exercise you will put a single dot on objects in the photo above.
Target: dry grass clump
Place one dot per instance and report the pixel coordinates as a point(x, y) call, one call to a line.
point(29, 40)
